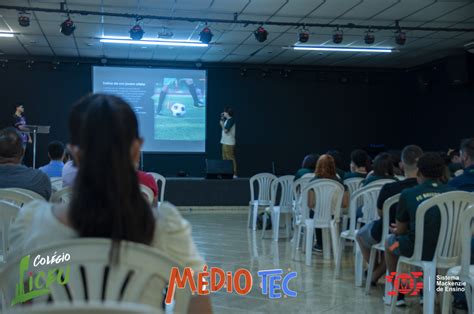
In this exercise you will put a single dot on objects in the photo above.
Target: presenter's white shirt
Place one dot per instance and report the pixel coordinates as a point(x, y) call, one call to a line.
point(228, 138)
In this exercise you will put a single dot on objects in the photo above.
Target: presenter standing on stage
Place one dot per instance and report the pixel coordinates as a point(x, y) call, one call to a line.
point(228, 137)
point(18, 121)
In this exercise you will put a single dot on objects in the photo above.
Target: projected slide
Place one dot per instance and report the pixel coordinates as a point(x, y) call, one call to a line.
point(170, 104)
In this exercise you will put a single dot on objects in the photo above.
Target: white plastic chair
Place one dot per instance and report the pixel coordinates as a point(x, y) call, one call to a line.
point(86, 308)
point(15, 197)
point(381, 245)
point(465, 271)
point(451, 206)
point(93, 277)
point(328, 195)
point(285, 206)
point(56, 183)
point(264, 182)
point(161, 181)
point(353, 184)
point(368, 194)
point(8, 212)
point(62, 196)
point(380, 182)
point(308, 175)
point(33, 194)
point(148, 193)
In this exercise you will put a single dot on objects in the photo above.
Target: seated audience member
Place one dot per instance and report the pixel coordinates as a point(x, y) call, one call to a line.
point(339, 162)
point(371, 233)
point(15, 175)
point(325, 169)
point(465, 181)
point(382, 169)
point(106, 200)
point(360, 164)
point(69, 173)
point(396, 159)
point(455, 161)
point(430, 171)
point(308, 166)
point(56, 155)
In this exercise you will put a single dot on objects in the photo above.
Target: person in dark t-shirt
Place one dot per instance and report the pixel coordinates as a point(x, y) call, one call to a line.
point(431, 168)
point(360, 164)
point(308, 165)
point(371, 233)
point(18, 121)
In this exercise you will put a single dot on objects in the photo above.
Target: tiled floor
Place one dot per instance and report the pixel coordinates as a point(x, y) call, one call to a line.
point(225, 242)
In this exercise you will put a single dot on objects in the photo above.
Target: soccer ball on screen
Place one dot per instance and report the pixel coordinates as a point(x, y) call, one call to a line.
point(178, 110)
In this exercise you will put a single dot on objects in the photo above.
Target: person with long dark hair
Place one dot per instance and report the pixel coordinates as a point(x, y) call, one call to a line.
point(106, 200)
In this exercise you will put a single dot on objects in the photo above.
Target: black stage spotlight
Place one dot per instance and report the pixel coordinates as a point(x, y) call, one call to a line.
point(369, 38)
point(338, 36)
point(303, 36)
point(136, 32)
point(400, 37)
point(67, 27)
point(205, 36)
point(23, 19)
point(261, 34)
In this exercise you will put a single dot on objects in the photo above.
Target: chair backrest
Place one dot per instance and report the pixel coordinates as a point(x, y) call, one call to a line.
point(368, 194)
point(369, 203)
point(328, 194)
point(86, 308)
point(467, 232)
point(285, 183)
point(353, 184)
point(161, 181)
point(8, 212)
point(389, 202)
point(15, 197)
point(308, 175)
point(298, 187)
point(92, 277)
point(33, 194)
point(62, 196)
point(56, 183)
point(264, 183)
point(451, 206)
point(380, 182)
point(148, 193)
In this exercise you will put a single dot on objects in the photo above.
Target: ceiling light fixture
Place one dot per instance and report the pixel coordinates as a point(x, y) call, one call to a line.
point(153, 42)
point(369, 37)
point(343, 49)
point(23, 19)
point(261, 34)
point(67, 27)
point(7, 35)
point(303, 36)
point(400, 36)
point(338, 36)
point(205, 36)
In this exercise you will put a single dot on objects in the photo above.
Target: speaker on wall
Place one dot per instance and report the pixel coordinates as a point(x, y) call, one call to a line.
point(219, 169)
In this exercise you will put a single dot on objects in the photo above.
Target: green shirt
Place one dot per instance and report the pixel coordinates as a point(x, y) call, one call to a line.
point(301, 172)
point(349, 175)
point(410, 199)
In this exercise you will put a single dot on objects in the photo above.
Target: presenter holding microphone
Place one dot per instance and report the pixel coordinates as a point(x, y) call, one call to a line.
point(228, 136)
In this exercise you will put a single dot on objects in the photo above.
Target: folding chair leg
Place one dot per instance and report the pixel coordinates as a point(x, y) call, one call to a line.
point(388, 287)
point(429, 288)
point(370, 270)
point(339, 257)
point(447, 300)
point(254, 218)
point(326, 244)
point(334, 239)
point(358, 265)
point(296, 243)
point(249, 216)
point(309, 244)
point(264, 224)
point(275, 225)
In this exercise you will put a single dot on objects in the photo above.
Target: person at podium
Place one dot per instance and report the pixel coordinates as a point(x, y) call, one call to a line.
point(18, 121)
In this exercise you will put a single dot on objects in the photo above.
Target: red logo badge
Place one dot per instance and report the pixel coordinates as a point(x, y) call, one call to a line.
point(405, 283)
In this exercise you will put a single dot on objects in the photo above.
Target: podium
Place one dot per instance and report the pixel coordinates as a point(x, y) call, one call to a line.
point(36, 129)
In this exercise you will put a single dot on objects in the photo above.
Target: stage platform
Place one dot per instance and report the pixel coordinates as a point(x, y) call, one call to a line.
point(207, 192)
